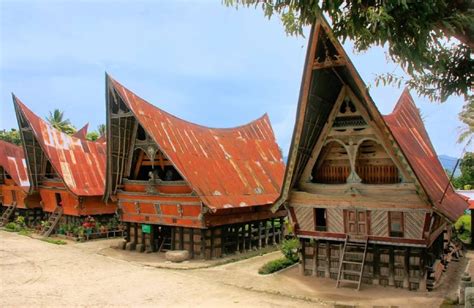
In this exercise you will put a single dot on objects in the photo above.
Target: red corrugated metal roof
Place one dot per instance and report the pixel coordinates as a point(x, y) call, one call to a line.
point(469, 195)
point(12, 159)
point(227, 168)
point(80, 163)
point(408, 130)
point(82, 133)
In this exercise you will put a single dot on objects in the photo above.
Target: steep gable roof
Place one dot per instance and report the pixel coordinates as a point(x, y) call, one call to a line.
point(12, 159)
point(327, 70)
point(79, 163)
point(408, 130)
point(227, 168)
point(82, 133)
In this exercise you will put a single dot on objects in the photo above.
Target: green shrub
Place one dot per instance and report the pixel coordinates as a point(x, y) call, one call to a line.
point(24, 232)
point(289, 248)
point(275, 266)
point(13, 227)
point(20, 221)
point(463, 228)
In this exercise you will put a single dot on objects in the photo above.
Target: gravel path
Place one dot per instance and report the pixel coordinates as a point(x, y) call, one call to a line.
point(36, 273)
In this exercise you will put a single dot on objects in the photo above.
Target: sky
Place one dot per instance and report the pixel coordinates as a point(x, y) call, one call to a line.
point(199, 60)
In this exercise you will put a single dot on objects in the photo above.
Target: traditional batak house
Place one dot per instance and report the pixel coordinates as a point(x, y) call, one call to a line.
point(68, 172)
point(182, 186)
point(366, 193)
point(14, 186)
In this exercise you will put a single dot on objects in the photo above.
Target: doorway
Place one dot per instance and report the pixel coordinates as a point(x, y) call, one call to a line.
point(356, 222)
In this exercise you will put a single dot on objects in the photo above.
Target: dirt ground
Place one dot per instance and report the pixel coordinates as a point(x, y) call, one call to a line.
point(36, 273)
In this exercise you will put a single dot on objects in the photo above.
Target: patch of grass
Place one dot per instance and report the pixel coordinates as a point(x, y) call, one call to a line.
point(24, 232)
point(54, 241)
point(275, 266)
point(449, 302)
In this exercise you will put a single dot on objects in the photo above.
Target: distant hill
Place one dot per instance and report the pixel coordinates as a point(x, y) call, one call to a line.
point(449, 163)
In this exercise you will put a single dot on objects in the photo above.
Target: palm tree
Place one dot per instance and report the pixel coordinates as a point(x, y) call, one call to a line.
point(56, 119)
point(101, 129)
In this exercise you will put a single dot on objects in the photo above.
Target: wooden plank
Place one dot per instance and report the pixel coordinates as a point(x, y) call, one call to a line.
point(212, 242)
point(203, 244)
point(379, 221)
point(413, 228)
point(181, 238)
point(191, 234)
point(335, 220)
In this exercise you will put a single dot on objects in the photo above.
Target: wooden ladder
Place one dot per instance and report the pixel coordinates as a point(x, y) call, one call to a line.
point(165, 243)
point(53, 220)
point(353, 253)
point(7, 214)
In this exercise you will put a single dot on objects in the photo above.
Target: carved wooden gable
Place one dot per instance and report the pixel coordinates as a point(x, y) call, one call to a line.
point(350, 149)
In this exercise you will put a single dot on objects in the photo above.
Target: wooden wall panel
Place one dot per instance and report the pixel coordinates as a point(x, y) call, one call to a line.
point(305, 218)
point(379, 223)
point(414, 224)
point(335, 220)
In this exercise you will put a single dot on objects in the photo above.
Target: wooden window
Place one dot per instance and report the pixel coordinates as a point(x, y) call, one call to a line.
point(13, 196)
point(2, 176)
point(395, 224)
point(58, 199)
point(320, 223)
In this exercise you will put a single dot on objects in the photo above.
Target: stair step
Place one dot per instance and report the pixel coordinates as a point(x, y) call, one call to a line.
point(356, 244)
point(348, 281)
point(349, 272)
point(352, 262)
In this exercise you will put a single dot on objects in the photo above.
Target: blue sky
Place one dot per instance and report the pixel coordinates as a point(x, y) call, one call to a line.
point(202, 61)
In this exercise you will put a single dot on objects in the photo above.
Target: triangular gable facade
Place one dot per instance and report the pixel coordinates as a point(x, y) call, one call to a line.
point(12, 160)
point(78, 162)
point(226, 168)
point(336, 115)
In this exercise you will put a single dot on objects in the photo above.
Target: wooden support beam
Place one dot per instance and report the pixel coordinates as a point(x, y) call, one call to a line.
point(391, 275)
point(224, 236)
point(281, 229)
point(406, 281)
point(266, 233)
point(173, 238)
point(203, 244)
point(327, 271)
point(273, 231)
point(315, 258)
point(244, 237)
point(376, 264)
point(191, 241)
point(212, 242)
point(303, 256)
point(259, 234)
point(328, 64)
point(181, 238)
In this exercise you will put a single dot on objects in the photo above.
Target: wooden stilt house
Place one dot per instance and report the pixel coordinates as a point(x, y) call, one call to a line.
point(366, 193)
point(14, 186)
point(68, 172)
point(182, 186)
